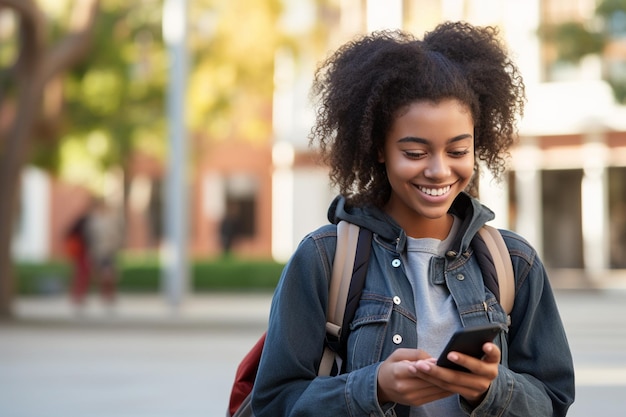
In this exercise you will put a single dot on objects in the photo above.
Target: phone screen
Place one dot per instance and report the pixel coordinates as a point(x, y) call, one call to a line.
point(469, 341)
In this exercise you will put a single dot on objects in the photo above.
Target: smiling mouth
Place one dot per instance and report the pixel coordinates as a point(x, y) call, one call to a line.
point(435, 192)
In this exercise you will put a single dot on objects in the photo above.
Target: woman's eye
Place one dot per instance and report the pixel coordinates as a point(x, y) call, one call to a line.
point(458, 154)
point(414, 155)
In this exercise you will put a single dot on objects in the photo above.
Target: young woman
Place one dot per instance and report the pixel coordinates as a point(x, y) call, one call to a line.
point(402, 124)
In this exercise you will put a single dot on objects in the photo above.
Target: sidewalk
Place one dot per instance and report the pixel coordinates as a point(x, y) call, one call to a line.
point(222, 310)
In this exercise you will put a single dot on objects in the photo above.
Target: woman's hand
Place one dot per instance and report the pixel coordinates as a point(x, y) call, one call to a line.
point(400, 380)
point(471, 385)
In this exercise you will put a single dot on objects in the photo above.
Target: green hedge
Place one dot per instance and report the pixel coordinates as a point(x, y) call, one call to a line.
point(42, 278)
point(144, 275)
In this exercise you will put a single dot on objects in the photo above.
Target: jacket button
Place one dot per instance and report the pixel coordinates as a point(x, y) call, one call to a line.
point(396, 300)
point(460, 277)
point(395, 263)
point(397, 339)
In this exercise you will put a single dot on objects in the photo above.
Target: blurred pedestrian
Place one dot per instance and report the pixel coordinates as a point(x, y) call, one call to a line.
point(104, 237)
point(229, 229)
point(76, 247)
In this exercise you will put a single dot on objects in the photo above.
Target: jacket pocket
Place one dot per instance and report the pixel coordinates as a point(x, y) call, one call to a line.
point(378, 328)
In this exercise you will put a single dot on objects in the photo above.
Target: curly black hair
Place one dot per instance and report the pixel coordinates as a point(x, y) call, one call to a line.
point(362, 86)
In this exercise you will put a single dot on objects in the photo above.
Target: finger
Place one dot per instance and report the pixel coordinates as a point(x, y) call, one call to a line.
point(405, 354)
point(414, 367)
point(492, 353)
point(477, 366)
point(471, 386)
point(477, 380)
point(396, 378)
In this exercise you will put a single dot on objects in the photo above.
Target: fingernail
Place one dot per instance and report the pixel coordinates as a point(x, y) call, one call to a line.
point(423, 366)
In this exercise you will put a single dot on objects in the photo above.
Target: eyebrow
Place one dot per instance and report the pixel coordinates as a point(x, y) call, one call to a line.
point(413, 139)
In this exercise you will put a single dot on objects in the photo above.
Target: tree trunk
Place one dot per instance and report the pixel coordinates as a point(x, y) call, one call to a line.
point(36, 65)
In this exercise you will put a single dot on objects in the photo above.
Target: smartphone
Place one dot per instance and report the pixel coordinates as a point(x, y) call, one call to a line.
point(470, 341)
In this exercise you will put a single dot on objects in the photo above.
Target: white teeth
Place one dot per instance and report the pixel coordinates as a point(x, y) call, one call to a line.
point(435, 191)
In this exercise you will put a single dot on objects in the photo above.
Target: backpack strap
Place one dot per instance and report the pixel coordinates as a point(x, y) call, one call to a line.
point(502, 262)
point(357, 283)
point(346, 286)
point(343, 264)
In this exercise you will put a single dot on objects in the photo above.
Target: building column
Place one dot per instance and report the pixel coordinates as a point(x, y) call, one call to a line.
point(32, 236)
point(495, 195)
point(529, 218)
point(282, 201)
point(594, 205)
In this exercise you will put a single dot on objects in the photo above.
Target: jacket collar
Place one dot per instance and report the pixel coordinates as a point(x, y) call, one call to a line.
point(472, 213)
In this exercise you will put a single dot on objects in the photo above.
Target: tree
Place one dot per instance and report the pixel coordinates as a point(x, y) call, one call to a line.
point(22, 85)
point(233, 45)
point(573, 40)
point(114, 98)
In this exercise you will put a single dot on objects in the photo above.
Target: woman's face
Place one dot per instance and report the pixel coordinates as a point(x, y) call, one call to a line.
point(429, 158)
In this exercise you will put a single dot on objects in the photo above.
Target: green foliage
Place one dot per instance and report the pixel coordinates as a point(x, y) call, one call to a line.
point(234, 274)
point(41, 278)
point(613, 14)
point(619, 90)
point(144, 275)
point(233, 44)
point(114, 100)
point(572, 40)
point(115, 97)
point(607, 8)
point(8, 55)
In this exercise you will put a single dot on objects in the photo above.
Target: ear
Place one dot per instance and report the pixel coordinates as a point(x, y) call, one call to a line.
point(381, 157)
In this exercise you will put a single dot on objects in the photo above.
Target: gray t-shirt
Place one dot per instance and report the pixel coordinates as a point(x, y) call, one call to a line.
point(437, 316)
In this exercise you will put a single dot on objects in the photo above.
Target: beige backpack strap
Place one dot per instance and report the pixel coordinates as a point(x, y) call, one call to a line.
point(347, 239)
point(502, 261)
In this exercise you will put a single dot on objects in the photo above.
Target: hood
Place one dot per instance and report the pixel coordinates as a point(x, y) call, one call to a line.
point(472, 213)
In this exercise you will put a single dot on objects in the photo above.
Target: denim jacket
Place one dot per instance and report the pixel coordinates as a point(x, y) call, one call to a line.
point(536, 376)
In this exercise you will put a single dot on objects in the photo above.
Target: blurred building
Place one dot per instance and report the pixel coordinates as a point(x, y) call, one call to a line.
point(566, 191)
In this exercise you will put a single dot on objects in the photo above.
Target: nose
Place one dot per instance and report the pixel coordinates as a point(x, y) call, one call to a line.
point(437, 168)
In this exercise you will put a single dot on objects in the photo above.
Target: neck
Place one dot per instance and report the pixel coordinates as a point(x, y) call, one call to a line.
point(427, 228)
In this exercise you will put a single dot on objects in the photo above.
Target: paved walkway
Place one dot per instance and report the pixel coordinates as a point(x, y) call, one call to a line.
point(215, 310)
point(145, 359)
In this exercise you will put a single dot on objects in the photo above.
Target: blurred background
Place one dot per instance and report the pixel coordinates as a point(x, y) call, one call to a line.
point(176, 132)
